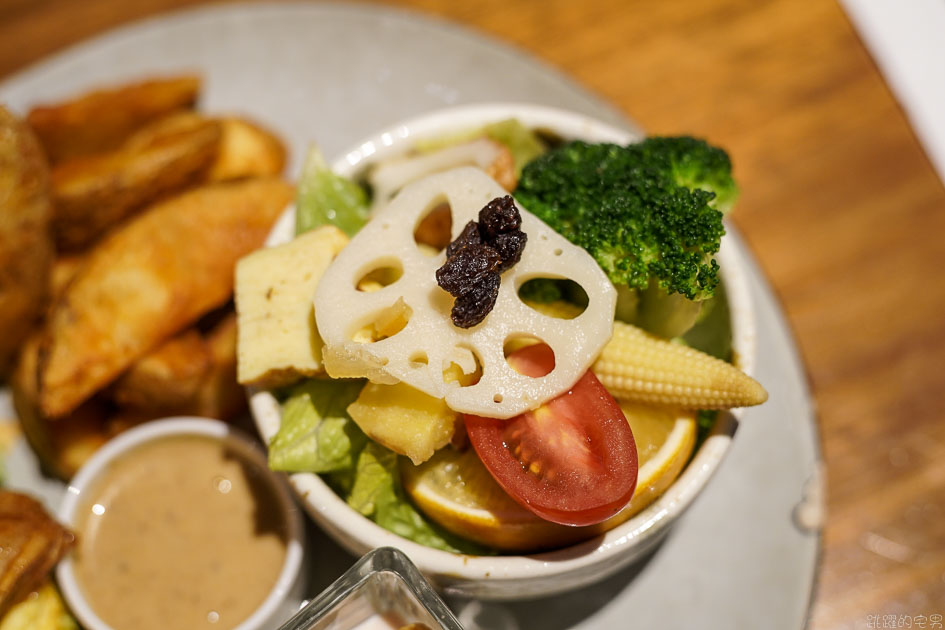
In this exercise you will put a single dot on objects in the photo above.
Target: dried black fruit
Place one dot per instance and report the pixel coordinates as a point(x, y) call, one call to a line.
point(467, 267)
point(477, 256)
point(499, 216)
point(510, 246)
point(471, 307)
point(469, 236)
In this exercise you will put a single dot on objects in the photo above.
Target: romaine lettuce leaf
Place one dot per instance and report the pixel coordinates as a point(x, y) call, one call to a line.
point(316, 433)
point(378, 494)
point(326, 198)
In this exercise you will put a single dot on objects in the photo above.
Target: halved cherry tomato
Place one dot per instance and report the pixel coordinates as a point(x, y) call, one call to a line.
point(571, 461)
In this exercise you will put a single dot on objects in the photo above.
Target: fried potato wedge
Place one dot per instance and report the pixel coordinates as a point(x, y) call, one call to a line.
point(194, 373)
point(64, 269)
point(220, 396)
point(247, 150)
point(64, 445)
point(93, 193)
point(32, 544)
point(102, 120)
point(26, 249)
point(168, 378)
point(149, 279)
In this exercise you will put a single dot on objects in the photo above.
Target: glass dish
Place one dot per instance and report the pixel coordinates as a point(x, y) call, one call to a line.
point(382, 591)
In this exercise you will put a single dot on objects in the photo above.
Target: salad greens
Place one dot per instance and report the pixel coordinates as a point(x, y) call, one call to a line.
point(655, 238)
point(326, 198)
point(317, 435)
point(378, 494)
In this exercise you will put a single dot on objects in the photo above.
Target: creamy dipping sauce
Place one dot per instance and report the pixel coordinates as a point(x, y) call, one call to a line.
point(180, 533)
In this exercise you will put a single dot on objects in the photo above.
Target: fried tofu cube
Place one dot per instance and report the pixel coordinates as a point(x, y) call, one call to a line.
point(274, 289)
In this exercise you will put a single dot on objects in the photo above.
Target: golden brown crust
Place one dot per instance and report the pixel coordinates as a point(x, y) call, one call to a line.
point(247, 150)
point(192, 374)
point(168, 378)
point(93, 193)
point(101, 120)
point(63, 446)
point(220, 396)
point(31, 543)
point(64, 269)
point(147, 281)
point(26, 250)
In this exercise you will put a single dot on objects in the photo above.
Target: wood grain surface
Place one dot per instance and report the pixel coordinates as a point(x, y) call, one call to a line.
point(839, 204)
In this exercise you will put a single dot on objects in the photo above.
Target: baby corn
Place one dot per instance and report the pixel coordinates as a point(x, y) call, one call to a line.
point(638, 366)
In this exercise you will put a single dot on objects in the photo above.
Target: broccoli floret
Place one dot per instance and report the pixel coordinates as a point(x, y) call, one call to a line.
point(646, 212)
point(696, 164)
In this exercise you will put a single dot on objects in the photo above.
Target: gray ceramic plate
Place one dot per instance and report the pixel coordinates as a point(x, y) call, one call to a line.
point(745, 554)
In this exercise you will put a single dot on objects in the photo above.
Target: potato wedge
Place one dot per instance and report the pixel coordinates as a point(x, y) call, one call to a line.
point(103, 119)
point(220, 396)
point(62, 446)
point(247, 150)
point(193, 373)
point(64, 269)
point(149, 279)
point(93, 193)
point(26, 250)
point(168, 378)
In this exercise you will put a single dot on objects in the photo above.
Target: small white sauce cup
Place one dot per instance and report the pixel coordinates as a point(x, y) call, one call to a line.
point(281, 600)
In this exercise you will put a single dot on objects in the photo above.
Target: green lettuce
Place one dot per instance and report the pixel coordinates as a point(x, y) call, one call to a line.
point(316, 433)
point(325, 198)
point(378, 494)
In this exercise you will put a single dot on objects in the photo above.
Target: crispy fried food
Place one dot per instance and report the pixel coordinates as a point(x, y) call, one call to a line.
point(220, 396)
point(247, 150)
point(63, 446)
point(64, 269)
point(93, 193)
point(32, 544)
point(167, 378)
point(193, 373)
point(102, 120)
point(148, 280)
point(26, 249)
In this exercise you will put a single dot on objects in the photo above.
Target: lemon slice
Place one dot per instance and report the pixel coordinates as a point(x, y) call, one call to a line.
point(456, 491)
point(665, 438)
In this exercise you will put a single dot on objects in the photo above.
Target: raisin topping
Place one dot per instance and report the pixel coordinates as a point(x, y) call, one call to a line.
point(477, 256)
point(499, 216)
point(510, 247)
point(469, 236)
point(467, 267)
point(471, 307)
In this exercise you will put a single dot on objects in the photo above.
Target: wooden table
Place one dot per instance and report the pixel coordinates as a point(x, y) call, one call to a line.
point(839, 204)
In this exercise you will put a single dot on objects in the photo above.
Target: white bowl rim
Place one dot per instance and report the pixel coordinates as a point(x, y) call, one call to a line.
point(359, 534)
point(156, 430)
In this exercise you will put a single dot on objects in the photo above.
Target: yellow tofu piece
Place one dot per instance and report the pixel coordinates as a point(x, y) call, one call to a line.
point(278, 342)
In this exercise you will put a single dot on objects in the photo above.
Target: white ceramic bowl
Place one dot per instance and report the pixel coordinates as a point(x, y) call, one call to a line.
point(518, 576)
point(281, 601)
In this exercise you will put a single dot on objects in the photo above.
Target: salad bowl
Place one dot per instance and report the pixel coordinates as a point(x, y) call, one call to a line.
point(549, 572)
